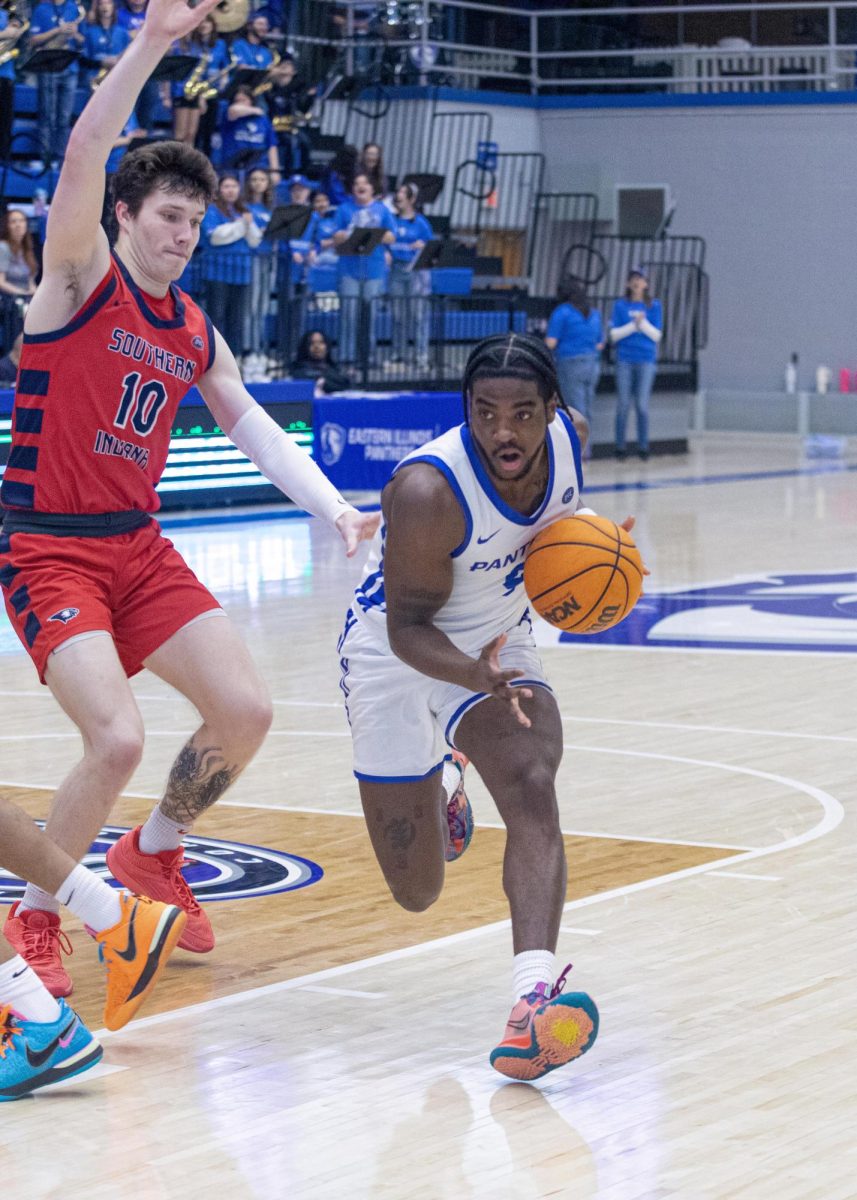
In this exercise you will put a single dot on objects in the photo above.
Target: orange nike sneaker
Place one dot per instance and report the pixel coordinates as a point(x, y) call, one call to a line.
point(546, 1030)
point(135, 951)
point(39, 939)
point(160, 876)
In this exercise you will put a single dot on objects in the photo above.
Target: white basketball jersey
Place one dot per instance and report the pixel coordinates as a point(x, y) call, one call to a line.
point(488, 596)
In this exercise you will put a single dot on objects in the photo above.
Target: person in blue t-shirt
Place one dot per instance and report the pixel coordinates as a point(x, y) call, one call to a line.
point(576, 336)
point(635, 330)
point(11, 36)
point(250, 50)
point(54, 26)
point(258, 195)
point(103, 37)
point(408, 288)
point(361, 277)
point(230, 235)
point(248, 137)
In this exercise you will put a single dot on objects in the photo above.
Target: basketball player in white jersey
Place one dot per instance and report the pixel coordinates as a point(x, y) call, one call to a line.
point(438, 654)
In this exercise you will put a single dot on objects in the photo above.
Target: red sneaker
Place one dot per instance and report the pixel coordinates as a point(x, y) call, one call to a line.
point(159, 876)
point(38, 938)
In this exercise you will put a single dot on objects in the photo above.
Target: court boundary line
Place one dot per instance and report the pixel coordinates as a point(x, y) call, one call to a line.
point(833, 814)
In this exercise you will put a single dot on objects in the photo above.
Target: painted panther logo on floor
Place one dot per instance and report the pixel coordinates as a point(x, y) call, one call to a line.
point(812, 612)
point(215, 870)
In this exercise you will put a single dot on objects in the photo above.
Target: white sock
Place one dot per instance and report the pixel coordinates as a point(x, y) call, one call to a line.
point(35, 898)
point(160, 833)
point(529, 968)
point(21, 987)
point(90, 898)
point(451, 778)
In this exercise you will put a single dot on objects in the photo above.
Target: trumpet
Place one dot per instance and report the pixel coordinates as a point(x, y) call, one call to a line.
point(98, 78)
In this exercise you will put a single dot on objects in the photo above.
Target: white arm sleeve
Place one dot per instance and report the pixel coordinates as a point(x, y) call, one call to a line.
point(286, 465)
point(622, 331)
point(650, 331)
point(253, 235)
point(231, 231)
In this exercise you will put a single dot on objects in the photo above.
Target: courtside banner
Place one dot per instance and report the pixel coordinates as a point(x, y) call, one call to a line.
point(357, 440)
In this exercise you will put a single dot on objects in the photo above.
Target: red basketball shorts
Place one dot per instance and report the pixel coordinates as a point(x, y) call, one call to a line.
point(135, 586)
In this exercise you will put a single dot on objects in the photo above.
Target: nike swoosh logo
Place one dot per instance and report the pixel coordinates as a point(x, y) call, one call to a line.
point(18, 974)
point(38, 1058)
point(130, 951)
point(481, 541)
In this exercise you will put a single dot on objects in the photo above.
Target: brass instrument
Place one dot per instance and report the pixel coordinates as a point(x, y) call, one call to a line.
point(98, 78)
point(195, 83)
point(12, 50)
point(211, 87)
point(291, 123)
point(267, 84)
point(230, 15)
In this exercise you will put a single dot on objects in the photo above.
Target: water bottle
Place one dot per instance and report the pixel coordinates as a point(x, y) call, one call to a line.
point(791, 375)
point(40, 199)
point(844, 379)
point(823, 376)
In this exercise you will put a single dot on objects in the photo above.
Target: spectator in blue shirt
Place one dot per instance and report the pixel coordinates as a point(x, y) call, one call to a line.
point(54, 25)
point(576, 337)
point(258, 195)
point(230, 234)
point(635, 330)
point(104, 38)
point(250, 50)
point(248, 137)
point(319, 233)
point(189, 104)
point(408, 288)
point(361, 277)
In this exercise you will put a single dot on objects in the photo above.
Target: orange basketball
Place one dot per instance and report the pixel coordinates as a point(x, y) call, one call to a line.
point(583, 574)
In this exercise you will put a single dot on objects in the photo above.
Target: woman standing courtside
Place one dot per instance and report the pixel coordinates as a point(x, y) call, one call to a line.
point(576, 337)
point(635, 330)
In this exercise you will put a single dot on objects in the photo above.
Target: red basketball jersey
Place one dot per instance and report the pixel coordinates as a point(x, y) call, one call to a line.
point(96, 400)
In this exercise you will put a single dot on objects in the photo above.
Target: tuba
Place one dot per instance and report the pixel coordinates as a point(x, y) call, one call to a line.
point(230, 15)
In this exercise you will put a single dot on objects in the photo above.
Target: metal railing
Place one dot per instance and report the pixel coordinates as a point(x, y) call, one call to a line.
point(683, 48)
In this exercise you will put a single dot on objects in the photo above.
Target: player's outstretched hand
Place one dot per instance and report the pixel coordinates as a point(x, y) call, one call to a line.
point(491, 678)
point(357, 527)
point(174, 19)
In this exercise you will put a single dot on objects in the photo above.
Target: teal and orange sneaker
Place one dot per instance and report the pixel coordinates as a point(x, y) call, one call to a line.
point(546, 1031)
point(36, 1053)
point(459, 814)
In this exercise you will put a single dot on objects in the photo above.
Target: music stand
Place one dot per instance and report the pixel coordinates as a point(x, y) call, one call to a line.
point(429, 257)
point(247, 159)
point(361, 243)
point(430, 186)
point(50, 61)
point(174, 68)
point(288, 221)
point(247, 77)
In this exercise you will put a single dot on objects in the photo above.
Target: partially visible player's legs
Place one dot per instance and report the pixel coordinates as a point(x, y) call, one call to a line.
point(135, 935)
point(88, 681)
point(409, 836)
point(518, 766)
point(208, 662)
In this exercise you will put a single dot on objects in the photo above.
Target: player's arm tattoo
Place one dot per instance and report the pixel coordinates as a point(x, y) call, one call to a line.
point(199, 777)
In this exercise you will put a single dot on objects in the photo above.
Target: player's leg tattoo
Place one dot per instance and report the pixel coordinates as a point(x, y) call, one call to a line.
point(199, 777)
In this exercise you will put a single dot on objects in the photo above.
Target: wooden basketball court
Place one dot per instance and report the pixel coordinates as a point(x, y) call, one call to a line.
point(333, 1045)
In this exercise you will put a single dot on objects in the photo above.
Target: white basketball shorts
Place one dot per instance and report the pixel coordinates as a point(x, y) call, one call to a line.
point(403, 723)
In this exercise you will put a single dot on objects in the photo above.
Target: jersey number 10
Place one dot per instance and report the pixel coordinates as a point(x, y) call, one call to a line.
point(140, 402)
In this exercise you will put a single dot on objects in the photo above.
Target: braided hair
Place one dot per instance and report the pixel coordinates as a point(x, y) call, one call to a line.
point(512, 356)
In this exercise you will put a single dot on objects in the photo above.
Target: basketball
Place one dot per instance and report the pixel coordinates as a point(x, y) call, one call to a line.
point(583, 574)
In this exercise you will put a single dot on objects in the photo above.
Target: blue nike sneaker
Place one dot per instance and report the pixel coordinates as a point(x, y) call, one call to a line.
point(459, 814)
point(36, 1053)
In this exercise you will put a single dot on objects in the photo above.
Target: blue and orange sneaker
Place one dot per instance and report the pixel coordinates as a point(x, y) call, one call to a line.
point(459, 814)
point(36, 1053)
point(546, 1031)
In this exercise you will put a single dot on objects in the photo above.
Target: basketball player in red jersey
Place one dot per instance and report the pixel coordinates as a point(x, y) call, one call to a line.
point(94, 591)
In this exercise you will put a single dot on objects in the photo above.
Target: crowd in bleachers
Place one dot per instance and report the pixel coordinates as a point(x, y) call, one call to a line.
point(242, 99)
